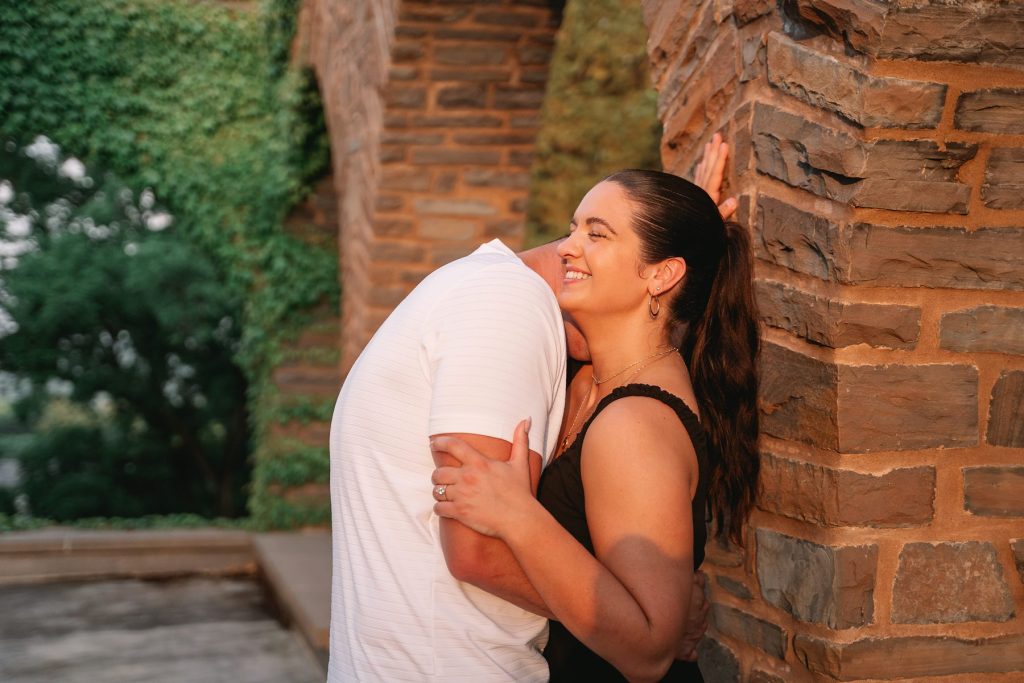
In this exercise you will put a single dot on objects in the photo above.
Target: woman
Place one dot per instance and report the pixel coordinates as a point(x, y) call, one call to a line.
point(654, 434)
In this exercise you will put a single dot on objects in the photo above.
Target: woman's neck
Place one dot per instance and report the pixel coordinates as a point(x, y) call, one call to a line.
point(620, 346)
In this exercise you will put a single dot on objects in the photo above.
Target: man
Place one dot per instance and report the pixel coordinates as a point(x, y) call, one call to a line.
point(475, 347)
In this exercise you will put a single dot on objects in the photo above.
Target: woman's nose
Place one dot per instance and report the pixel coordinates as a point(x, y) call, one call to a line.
point(568, 246)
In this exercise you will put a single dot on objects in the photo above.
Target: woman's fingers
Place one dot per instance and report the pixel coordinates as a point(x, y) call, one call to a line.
point(455, 447)
point(445, 475)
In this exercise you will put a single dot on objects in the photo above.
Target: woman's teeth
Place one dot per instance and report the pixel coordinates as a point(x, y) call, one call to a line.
point(576, 275)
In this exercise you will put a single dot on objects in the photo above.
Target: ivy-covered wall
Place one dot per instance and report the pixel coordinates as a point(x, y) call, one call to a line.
point(600, 110)
point(197, 101)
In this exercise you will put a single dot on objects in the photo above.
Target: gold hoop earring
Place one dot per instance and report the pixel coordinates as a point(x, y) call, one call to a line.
point(653, 309)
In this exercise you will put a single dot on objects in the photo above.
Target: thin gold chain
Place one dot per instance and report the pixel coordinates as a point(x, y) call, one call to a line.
point(654, 355)
point(650, 360)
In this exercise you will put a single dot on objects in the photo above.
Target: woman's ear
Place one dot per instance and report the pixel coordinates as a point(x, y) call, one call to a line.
point(666, 275)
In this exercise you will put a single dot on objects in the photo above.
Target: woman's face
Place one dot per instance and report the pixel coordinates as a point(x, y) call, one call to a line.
point(601, 255)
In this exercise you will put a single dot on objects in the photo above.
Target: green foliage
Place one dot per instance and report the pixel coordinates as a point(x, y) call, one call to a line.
point(114, 305)
point(599, 112)
point(197, 101)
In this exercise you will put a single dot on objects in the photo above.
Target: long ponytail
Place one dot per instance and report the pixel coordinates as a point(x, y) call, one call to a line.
point(721, 349)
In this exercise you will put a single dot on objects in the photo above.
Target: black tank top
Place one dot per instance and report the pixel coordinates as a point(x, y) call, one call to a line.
point(561, 492)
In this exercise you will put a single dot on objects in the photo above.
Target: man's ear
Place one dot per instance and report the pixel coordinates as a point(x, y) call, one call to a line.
point(666, 275)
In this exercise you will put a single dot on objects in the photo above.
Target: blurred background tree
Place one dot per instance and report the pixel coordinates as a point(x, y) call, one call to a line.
point(599, 111)
point(112, 315)
point(155, 344)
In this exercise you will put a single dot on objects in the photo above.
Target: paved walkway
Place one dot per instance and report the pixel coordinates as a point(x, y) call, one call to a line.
point(128, 606)
point(200, 630)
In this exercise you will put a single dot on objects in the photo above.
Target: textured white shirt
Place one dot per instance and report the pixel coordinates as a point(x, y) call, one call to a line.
point(476, 347)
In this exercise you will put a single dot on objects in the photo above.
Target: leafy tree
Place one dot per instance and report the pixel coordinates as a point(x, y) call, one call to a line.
point(107, 303)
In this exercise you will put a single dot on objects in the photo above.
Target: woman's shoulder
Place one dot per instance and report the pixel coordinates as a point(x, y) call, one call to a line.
point(650, 418)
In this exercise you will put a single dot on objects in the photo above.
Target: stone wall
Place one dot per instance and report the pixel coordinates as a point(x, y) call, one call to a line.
point(433, 110)
point(879, 156)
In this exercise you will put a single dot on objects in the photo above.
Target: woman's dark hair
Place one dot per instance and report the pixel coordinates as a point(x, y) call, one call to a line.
point(675, 218)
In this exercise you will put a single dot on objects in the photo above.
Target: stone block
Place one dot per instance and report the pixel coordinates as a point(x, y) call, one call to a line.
point(387, 202)
point(395, 252)
point(832, 586)
point(718, 663)
point(470, 55)
point(519, 180)
point(456, 121)
point(907, 407)
point(966, 32)
point(798, 240)
point(1017, 546)
point(403, 97)
point(996, 110)
point(533, 54)
point(749, 629)
point(910, 657)
point(410, 138)
point(515, 138)
point(733, 586)
point(497, 18)
point(833, 497)
point(987, 328)
point(454, 207)
point(836, 323)
point(518, 97)
point(479, 157)
point(402, 179)
point(754, 58)
point(462, 97)
point(902, 175)
point(522, 158)
point(392, 227)
point(941, 583)
point(1006, 410)
point(987, 258)
point(480, 35)
point(392, 153)
point(504, 229)
point(448, 228)
point(827, 83)
point(798, 397)
point(407, 52)
point(994, 491)
point(1004, 179)
point(472, 75)
point(761, 676)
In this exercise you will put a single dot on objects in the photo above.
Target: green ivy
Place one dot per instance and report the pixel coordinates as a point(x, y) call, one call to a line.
point(197, 101)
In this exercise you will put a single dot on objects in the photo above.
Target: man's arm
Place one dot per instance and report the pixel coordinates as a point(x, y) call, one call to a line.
point(483, 561)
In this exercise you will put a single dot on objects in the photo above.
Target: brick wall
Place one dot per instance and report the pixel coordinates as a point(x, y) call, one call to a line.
point(432, 110)
point(879, 155)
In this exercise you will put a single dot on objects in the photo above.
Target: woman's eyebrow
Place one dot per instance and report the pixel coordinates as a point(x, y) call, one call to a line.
point(601, 221)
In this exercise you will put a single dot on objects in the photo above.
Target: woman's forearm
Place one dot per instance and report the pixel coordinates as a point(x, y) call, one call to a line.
point(590, 601)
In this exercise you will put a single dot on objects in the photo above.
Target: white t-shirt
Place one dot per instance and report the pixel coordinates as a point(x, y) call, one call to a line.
point(476, 347)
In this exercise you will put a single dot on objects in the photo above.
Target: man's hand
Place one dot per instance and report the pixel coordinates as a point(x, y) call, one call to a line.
point(710, 173)
point(696, 619)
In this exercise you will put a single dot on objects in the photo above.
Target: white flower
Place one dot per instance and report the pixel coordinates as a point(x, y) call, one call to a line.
point(159, 221)
point(72, 169)
point(147, 199)
point(131, 249)
point(6, 192)
point(43, 150)
point(19, 225)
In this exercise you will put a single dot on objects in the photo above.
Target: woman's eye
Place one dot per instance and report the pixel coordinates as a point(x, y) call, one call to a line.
point(595, 234)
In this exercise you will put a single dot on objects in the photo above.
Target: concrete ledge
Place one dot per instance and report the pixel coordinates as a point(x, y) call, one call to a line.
point(297, 567)
point(60, 554)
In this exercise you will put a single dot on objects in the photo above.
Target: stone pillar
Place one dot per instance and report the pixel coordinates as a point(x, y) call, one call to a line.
point(432, 110)
point(879, 157)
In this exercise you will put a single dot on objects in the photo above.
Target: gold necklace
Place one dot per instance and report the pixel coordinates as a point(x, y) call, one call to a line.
point(595, 382)
point(655, 355)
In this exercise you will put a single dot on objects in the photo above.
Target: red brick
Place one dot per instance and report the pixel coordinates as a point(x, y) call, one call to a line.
point(454, 207)
point(516, 138)
point(405, 97)
point(909, 657)
point(995, 329)
point(472, 75)
point(833, 497)
point(1004, 179)
point(470, 55)
point(462, 97)
point(456, 121)
point(994, 491)
point(512, 97)
point(456, 156)
point(941, 583)
point(1006, 410)
point(448, 228)
point(496, 18)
